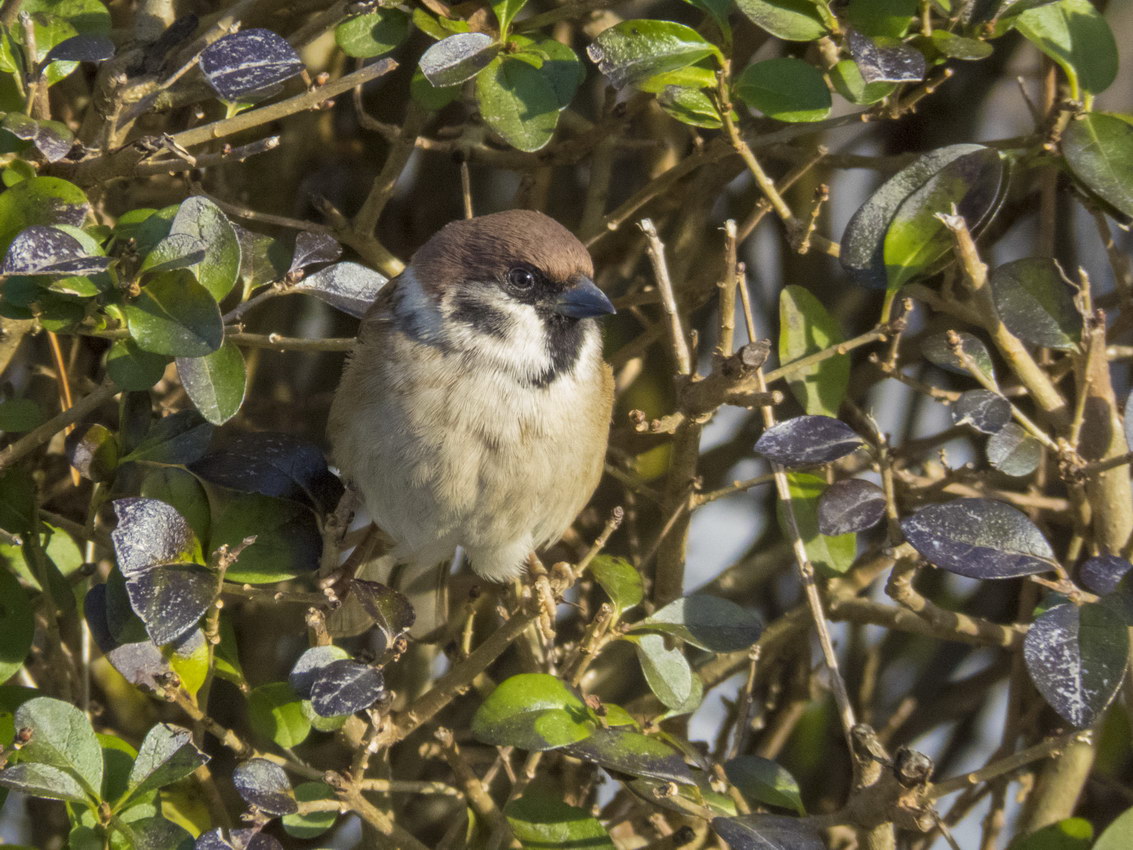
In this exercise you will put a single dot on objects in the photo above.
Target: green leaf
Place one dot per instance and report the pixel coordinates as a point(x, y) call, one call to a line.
point(633, 51)
point(1013, 451)
point(1116, 835)
point(40, 200)
point(540, 819)
point(709, 622)
point(150, 833)
point(630, 752)
point(1066, 834)
point(786, 89)
point(60, 735)
point(805, 327)
point(17, 501)
point(166, 755)
point(133, 368)
point(666, 670)
point(832, 555)
point(917, 239)
point(1099, 150)
point(1036, 304)
point(506, 10)
point(175, 251)
point(763, 781)
point(532, 711)
point(429, 96)
point(20, 414)
point(202, 219)
point(790, 20)
point(884, 18)
point(43, 780)
point(287, 537)
point(518, 102)
point(690, 106)
point(957, 47)
point(311, 824)
point(215, 382)
point(1075, 35)
point(558, 63)
point(175, 315)
point(372, 34)
point(17, 625)
point(620, 579)
point(276, 713)
point(849, 82)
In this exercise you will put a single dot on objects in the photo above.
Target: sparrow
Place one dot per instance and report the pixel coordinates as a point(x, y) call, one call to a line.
point(474, 410)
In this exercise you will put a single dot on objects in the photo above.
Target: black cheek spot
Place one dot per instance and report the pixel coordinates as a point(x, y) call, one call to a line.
point(483, 317)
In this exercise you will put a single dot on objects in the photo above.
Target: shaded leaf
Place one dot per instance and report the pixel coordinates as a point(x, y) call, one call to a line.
point(349, 287)
point(17, 625)
point(689, 106)
point(633, 51)
point(1075, 35)
point(311, 248)
point(849, 82)
point(898, 63)
point(984, 410)
point(51, 138)
point(667, 672)
point(791, 20)
point(1099, 150)
point(850, 506)
point(200, 218)
point(624, 751)
point(786, 89)
point(391, 612)
point(884, 18)
point(60, 735)
point(263, 784)
point(1103, 573)
point(20, 414)
point(287, 540)
point(958, 47)
point(215, 383)
point(937, 349)
point(541, 819)
point(557, 62)
point(506, 10)
point(457, 58)
point(43, 780)
point(82, 48)
point(1116, 835)
point(767, 832)
point(40, 200)
point(310, 664)
point(807, 441)
point(1076, 657)
point(532, 711)
point(764, 781)
point(93, 451)
point(979, 538)
point(175, 251)
point(179, 438)
point(133, 368)
point(372, 34)
point(709, 622)
point(1066, 834)
point(344, 687)
point(1013, 451)
point(1035, 303)
point(248, 62)
point(518, 102)
point(311, 824)
point(805, 327)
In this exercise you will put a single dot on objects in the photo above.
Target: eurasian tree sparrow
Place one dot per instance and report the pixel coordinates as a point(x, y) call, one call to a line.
point(474, 410)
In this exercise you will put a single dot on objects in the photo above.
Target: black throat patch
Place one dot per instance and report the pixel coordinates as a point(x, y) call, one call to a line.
point(565, 337)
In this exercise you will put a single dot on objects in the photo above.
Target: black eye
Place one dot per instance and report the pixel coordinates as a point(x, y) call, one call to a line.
point(521, 278)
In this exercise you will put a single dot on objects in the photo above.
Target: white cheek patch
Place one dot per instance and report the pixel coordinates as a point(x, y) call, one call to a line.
point(516, 343)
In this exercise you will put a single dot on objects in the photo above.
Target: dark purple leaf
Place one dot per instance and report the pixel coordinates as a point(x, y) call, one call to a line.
point(344, 687)
point(149, 533)
point(39, 250)
point(93, 450)
point(391, 611)
point(276, 465)
point(767, 832)
point(850, 506)
point(140, 662)
point(1076, 657)
point(263, 784)
point(311, 248)
point(897, 64)
point(171, 599)
point(629, 752)
point(457, 58)
point(979, 538)
point(249, 62)
point(807, 441)
point(984, 410)
point(938, 350)
point(349, 287)
point(51, 138)
point(1103, 573)
point(310, 664)
point(82, 48)
point(179, 438)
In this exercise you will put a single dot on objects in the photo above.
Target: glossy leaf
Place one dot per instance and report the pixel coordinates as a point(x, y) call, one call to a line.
point(805, 327)
point(248, 63)
point(40, 200)
point(897, 63)
point(1035, 302)
point(938, 350)
point(667, 672)
point(556, 61)
point(518, 102)
point(311, 248)
point(392, 613)
point(506, 10)
point(633, 51)
point(457, 58)
point(349, 287)
point(179, 438)
point(709, 622)
point(767, 832)
point(51, 138)
point(149, 533)
point(979, 538)
point(39, 250)
point(807, 441)
point(344, 687)
point(82, 48)
point(786, 89)
point(1099, 150)
point(1013, 451)
point(791, 20)
point(1076, 657)
point(532, 711)
point(884, 18)
point(17, 625)
point(1103, 573)
point(620, 579)
point(763, 781)
point(276, 712)
point(372, 34)
point(310, 664)
point(689, 106)
point(850, 506)
point(263, 784)
point(203, 220)
point(849, 82)
point(983, 410)
point(215, 383)
point(1075, 35)
point(60, 736)
point(175, 315)
point(166, 755)
point(541, 819)
point(311, 824)
point(630, 752)
point(831, 554)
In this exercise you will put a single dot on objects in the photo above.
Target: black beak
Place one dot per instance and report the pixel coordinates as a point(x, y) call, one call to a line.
point(583, 301)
